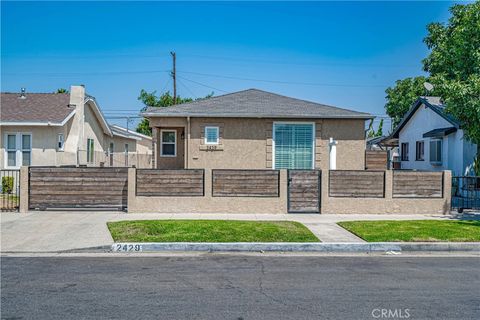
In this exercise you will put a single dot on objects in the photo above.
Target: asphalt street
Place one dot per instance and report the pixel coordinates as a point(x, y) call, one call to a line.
point(240, 287)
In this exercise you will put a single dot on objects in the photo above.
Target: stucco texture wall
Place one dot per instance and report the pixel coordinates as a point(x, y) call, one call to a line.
point(44, 145)
point(247, 143)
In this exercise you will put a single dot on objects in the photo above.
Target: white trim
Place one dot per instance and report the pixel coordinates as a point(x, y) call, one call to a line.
point(218, 135)
point(174, 143)
point(99, 114)
point(18, 149)
point(43, 124)
point(294, 122)
point(131, 132)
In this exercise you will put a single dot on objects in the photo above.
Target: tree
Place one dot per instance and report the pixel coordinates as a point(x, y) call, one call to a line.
point(371, 133)
point(150, 99)
point(463, 102)
point(61, 90)
point(401, 97)
point(454, 68)
point(455, 47)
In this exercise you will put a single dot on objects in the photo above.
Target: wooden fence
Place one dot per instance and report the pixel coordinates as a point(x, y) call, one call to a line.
point(417, 184)
point(63, 187)
point(357, 184)
point(245, 183)
point(157, 182)
point(375, 160)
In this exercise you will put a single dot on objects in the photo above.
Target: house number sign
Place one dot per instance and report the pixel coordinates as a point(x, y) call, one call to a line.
point(127, 247)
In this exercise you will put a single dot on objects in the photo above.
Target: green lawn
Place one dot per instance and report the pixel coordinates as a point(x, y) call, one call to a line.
point(414, 230)
point(209, 231)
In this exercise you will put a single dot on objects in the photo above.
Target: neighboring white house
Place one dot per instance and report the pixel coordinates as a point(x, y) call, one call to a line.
point(431, 139)
point(64, 129)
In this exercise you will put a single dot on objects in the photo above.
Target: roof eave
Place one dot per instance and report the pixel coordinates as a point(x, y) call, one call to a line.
point(261, 116)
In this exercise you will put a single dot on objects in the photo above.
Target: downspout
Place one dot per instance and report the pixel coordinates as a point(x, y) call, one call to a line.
point(186, 143)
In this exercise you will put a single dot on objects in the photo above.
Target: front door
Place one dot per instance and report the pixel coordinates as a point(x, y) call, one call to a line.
point(304, 191)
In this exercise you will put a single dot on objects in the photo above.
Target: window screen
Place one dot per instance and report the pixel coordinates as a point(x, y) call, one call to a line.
point(211, 135)
point(294, 146)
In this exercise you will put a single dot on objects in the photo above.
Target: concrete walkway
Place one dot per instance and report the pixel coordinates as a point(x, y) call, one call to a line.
point(47, 231)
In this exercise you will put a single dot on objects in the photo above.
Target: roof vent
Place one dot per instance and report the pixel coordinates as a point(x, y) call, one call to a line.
point(22, 94)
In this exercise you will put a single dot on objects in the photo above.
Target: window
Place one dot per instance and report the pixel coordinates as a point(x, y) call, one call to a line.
point(26, 149)
point(126, 154)
point(293, 145)
point(90, 150)
point(211, 135)
point(404, 151)
point(18, 150)
point(110, 153)
point(168, 145)
point(60, 142)
point(420, 151)
point(436, 151)
point(11, 150)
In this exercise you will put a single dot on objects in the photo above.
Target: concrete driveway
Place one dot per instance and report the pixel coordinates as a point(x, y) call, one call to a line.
point(48, 231)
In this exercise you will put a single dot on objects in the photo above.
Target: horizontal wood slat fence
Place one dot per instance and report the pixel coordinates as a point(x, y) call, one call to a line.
point(357, 184)
point(245, 183)
point(57, 187)
point(417, 184)
point(375, 160)
point(182, 182)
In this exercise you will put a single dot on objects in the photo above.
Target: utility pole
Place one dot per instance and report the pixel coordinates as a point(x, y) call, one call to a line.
point(174, 76)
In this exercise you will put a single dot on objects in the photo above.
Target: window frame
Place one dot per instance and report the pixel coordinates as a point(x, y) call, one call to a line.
point(294, 122)
point(217, 129)
point(90, 150)
point(417, 144)
point(437, 141)
point(18, 149)
point(126, 153)
point(174, 143)
point(404, 155)
point(62, 148)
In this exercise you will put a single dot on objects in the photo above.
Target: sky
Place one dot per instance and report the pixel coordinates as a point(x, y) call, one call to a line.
point(338, 53)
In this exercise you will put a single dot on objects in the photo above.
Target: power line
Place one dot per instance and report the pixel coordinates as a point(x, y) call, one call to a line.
point(188, 89)
point(281, 82)
point(106, 73)
point(201, 84)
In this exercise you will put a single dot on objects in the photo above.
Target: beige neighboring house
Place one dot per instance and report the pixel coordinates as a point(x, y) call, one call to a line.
point(64, 129)
point(254, 129)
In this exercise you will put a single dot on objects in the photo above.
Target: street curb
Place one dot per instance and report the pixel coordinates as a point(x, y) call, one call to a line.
point(296, 247)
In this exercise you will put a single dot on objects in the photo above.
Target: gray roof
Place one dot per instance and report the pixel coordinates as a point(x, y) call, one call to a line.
point(253, 103)
point(433, 103)
point(35, 107)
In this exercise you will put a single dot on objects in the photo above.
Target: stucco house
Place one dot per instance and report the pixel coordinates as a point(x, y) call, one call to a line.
point(431, 139)
point(64, 129)
point(254, 129)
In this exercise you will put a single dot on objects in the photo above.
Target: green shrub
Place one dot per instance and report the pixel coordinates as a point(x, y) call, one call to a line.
point(7, 184)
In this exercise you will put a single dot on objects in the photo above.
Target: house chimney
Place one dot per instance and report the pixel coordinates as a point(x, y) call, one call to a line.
point(22, 93)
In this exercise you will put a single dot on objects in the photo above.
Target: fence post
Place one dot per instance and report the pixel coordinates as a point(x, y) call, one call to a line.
point(23, 207)
point(132, 189)
point(388, 184)
point(447, 191)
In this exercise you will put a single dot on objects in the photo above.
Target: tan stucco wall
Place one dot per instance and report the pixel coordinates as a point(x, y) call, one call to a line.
point(44, 145)
point(207, 203)
point(329, 205)
point(343, 205)
point(247, 143)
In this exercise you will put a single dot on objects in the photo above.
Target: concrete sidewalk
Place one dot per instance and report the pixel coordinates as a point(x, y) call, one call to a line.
point(48, 231)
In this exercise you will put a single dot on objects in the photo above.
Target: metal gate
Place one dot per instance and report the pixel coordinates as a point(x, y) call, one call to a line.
point(304, 190)
point(465, 193)
point(67, 187)
point(10, 196)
